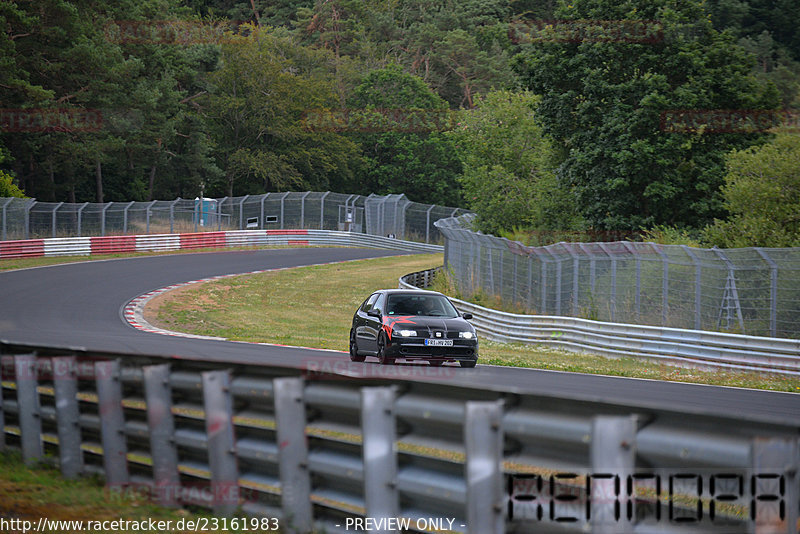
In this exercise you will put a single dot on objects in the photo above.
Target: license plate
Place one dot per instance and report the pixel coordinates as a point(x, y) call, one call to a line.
point(439, 342)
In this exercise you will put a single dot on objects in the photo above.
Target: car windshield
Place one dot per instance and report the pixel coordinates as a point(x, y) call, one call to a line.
point(421, 305)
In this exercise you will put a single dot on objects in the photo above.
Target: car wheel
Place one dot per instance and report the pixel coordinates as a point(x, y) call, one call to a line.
point(435, 363)
point(385, 360)
point(468, 363)
point(354, 356)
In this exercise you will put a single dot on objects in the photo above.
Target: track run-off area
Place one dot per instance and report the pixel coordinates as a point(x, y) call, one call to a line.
point(81, 306)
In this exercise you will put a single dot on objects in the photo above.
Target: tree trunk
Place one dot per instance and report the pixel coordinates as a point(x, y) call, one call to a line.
point(52, 179)
point(99, 171)
point(152, 183)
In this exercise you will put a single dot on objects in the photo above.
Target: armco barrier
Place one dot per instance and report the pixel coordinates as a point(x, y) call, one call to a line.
point(711, 350)
point(83, 246)
point(330, 441)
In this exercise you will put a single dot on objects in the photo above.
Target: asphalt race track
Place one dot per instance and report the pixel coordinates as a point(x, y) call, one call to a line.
point(79, 305)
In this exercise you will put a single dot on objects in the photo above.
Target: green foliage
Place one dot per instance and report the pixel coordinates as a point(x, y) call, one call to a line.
point(7, 186)
point(508, 179)
point(421, 164)
point(602, 102)
point(670, 235)
point(256, 103)
point(191, 119)
point(762, 193)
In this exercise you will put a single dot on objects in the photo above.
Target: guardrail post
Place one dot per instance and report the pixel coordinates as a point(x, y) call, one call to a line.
point(171, 215)
point(112, 422)
point(30, 423)
point(218, 403)
point(698, 275)
point(65, 386)
point(103, 219)
point(483, 440)
point(125, 217)
point(290, 416)
point(379, 452)
point(80, 216)
point(219, 213)
point(28, 210)
point(322, 211)
point(613, 294)
point(158, 397)
point(428, 225)
point(773, 292)
point(54, 217)
point(147, 214)
point(775, 485)
point(283, 206)
point(241, 212)
point(263, 199)
point(613, 458)
point(6, 203)
point(638, 295)
point(303, 209)
point(664, 283)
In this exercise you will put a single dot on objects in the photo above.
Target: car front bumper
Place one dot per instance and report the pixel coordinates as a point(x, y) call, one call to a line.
point(415, 349)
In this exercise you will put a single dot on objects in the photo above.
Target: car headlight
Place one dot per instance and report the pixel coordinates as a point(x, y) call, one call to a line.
point(466, 335)
point(406, 333)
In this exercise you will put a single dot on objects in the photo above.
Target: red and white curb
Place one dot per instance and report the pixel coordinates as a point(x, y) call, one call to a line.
point(133, 312)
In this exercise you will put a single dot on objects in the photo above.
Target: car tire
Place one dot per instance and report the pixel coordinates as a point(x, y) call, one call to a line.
point(354, 356)
point(381, 354)
point(469, 364)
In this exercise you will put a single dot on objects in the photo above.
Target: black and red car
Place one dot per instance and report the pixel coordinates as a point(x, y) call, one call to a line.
point(412, 325)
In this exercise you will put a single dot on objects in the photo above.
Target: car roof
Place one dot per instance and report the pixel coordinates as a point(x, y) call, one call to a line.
point(408, 292)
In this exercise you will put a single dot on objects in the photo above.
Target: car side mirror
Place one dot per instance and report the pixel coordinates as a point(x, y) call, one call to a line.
point(374, 313)
point(466, 316)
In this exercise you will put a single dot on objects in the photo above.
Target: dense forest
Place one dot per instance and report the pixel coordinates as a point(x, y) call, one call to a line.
point(541, 115)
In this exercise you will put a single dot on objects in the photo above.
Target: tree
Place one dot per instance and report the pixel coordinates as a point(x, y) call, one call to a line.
point(257, 99)
point(602, 101)
point(408, 153)
point(508, 177)
point(762, 194)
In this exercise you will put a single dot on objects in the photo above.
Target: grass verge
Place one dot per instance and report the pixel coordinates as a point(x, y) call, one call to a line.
point(313, 307)
point(28, 493)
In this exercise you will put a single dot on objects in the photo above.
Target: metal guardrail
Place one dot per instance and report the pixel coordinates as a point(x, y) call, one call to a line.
point(84, 246)
point(713, 350)
point(317, 447)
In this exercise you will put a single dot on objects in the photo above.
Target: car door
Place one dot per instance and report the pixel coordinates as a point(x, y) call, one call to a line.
point(374, 323)
point(365, 340)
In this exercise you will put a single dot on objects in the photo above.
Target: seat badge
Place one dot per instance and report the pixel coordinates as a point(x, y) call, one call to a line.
point(438, 334)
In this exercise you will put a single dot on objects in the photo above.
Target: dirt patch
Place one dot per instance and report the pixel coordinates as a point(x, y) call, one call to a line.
point(154, 306)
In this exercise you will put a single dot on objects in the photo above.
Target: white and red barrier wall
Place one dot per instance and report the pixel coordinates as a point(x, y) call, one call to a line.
point(85, 246)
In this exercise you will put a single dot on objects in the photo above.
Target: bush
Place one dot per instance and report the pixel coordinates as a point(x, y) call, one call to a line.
point(762, 193)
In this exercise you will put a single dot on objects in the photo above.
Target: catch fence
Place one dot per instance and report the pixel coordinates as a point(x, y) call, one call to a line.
point(389, 215)
point(753, 291)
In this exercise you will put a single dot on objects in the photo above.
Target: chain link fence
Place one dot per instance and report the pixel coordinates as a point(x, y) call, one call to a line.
point(390, 215)
point(754, 291)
